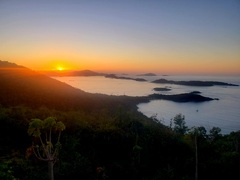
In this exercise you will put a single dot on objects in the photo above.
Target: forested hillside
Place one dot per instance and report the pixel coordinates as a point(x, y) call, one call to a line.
point(105, 136)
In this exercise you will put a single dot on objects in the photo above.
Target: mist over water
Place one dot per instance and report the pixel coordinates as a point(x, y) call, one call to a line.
point(223, 113)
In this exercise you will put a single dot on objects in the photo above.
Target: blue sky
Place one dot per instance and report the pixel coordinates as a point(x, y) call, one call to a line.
point(182, 36)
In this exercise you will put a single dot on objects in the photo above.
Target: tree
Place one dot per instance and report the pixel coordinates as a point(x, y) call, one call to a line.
point(215, 133)
point(234, 138)
point(196, 132)
point(179, 124)
point(45, 149)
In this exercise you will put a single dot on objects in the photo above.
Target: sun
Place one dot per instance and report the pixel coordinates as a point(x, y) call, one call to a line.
point(59, 68)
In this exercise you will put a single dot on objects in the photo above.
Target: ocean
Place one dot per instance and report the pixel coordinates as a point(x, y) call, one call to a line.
point(223, 113)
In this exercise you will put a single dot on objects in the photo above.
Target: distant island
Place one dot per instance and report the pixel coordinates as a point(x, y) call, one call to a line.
point(73, 73)
point(147, 74)
point(86, 73)
point(113, 76)
point(162, 89)
point(193, 83)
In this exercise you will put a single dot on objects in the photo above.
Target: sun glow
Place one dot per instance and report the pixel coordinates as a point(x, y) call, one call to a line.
point(60, 68)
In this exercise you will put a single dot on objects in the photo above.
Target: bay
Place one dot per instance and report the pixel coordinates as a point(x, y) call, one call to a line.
point(223, 113)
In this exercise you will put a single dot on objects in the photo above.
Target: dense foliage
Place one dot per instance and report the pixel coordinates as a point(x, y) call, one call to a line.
point(116, 145)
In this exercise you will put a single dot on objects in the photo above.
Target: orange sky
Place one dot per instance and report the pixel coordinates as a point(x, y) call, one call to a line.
point(138, 37)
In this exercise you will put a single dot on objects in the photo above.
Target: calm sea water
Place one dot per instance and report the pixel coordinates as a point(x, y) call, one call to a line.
point(224, 113)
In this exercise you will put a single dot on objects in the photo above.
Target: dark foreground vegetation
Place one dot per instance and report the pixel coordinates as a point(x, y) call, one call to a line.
point(105, 136)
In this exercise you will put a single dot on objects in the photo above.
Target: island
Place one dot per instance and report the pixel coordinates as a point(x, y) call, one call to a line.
point(185, 97)
point(193, 83)
point(161, 89)
point(72, 73)
point(113, 76)
point(147, 74)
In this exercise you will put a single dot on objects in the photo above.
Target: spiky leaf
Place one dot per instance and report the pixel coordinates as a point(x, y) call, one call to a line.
point(34, 127)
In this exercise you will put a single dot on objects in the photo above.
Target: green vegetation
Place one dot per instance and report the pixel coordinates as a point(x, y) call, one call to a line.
point(46, 151)
point(105, 137)
point(117, 145)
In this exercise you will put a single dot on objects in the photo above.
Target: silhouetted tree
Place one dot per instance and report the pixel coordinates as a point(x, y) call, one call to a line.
point(45, 150)
point(179, 124)
point(234, 137)
point(196, 132)
point(214, 133)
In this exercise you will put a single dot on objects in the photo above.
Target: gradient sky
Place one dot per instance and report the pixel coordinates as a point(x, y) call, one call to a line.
point(159, 36)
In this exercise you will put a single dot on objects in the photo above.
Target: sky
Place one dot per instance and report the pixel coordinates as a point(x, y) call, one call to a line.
point(128, 36)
